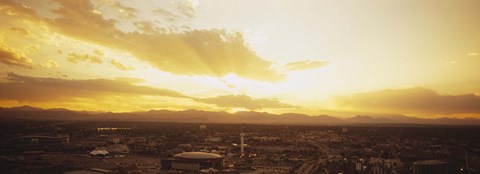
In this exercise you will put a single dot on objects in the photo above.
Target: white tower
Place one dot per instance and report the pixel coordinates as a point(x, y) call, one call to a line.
point(242, 143)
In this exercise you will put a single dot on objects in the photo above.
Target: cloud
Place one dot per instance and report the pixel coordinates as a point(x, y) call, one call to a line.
point(229, 85)
point(165, 13)
point(146, 27)
point(473, 54)
point(130, 80)
point(244, 101)
point(187, 8)
point(175, 19)
point(14, 57)
point(50, 64)
point(125, 12)
point(120, 66)
point(304, 65)
point(20, 31)
point(13, 9)
point(412, 100)
point(76, 58)
point(211, 52)
point(98, 52)
point(37, 89)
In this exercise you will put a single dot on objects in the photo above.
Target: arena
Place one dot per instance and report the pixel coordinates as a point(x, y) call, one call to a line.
point(193, 161)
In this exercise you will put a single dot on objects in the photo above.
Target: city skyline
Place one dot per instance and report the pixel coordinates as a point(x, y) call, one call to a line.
point(337, 58)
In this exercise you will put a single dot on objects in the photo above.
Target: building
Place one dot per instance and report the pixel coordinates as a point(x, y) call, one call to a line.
point(430, 167)
point(98, 153)
point(116, 140)
point(213, 139)
point(36, 142)
point(344, 130)
point(193, 161)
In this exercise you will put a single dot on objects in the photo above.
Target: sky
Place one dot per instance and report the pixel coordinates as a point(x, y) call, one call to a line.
point(317, 57)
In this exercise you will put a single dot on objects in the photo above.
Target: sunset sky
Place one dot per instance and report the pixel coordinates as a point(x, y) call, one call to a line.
point(337, 57)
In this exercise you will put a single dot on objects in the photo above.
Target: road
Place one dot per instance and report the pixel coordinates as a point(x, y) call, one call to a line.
point(309, 167)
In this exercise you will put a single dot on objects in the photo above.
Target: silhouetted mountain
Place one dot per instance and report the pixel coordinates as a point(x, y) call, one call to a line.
point(401, 119)
point(200, 116)
point(22, 108)
point(365, 119)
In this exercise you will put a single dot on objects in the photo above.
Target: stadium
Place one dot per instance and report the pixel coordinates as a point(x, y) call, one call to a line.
point(193, 161)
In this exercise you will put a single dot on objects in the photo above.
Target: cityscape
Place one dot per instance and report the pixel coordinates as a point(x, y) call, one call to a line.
point(239, 87)
point(112, 146)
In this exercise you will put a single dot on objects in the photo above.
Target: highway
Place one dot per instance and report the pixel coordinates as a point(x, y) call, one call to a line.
point(309, 167)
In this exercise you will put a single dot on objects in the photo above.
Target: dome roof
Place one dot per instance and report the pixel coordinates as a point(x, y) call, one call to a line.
point(99, 152)
point(198, 155)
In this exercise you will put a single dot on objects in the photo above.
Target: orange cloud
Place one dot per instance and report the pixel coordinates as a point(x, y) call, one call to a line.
point(194, 52)
point(186, 8)
point(473, 54)
point(147, 27)
point(75, 58)
point(165, 13)
point(20, 31)
point(125, 12)
point(14, 57)
point(412, 100)
point(243, 101)
point(120, 66)
point(304, 65)
point(98, 52)
point(36, 89)
point(50, 64)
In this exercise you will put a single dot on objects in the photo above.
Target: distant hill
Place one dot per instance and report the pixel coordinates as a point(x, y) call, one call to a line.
point(401, 119)
point(200, 116)
point(365, 119)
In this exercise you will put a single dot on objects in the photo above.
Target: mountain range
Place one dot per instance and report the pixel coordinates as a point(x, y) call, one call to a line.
point(200, 116)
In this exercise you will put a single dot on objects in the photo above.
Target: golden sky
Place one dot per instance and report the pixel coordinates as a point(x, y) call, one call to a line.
point(411, 57)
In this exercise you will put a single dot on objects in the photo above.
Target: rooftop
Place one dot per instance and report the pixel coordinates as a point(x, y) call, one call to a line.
point(429, 162)
point(198, 155)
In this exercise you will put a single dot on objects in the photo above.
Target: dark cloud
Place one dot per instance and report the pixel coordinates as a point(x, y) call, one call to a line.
point(14, 57)
point(304, 65)
point(35, 89)
point(412, 100)
point(243, 101)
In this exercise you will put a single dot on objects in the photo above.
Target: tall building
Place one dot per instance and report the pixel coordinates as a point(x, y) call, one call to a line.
point(430, 167)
